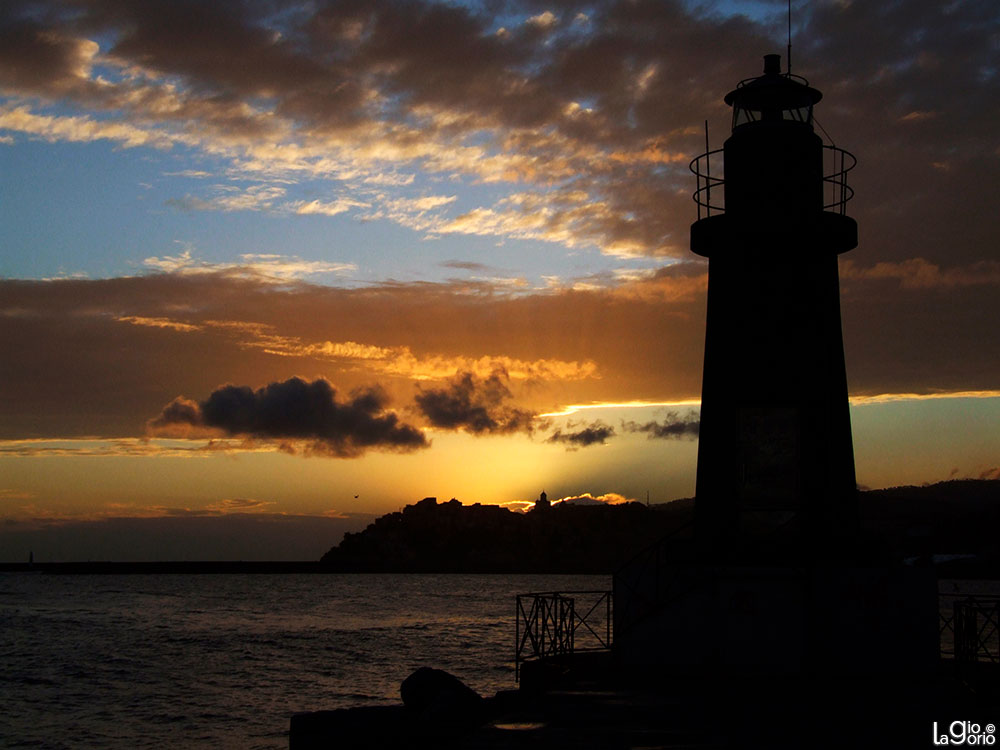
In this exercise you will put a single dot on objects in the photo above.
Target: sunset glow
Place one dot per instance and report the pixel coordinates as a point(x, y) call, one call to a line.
point(320, 261)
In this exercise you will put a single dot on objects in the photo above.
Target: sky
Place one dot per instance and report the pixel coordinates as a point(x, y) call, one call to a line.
point(270, 269)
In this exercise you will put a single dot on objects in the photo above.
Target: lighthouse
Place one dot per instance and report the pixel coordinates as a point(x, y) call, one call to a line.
point(775, 455)
point(777, 579)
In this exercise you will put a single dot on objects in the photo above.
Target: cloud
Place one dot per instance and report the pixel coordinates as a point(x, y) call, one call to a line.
point(918, 273)
point(180, 418)
point(239, 505)
point(352, 94)
point(231, 198)
point(9, 494)
point(262, 266)
point(193, 173)
point(167, 323)
point(609, 498)
point(597, 433)
point(465, 265)
point(638, 341)
point(292, 411)
point(330, 208)
point(81, 129)
point(473, 404)
point(177, 446)
point(421, 214)
point(398, 360)
point(545, 20)
point(585, 125)
point(401, 361)
point(33, 58)
point(567, 216)
point(673, 427)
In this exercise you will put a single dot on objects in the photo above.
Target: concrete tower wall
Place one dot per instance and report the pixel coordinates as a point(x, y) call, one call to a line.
point(775, 454)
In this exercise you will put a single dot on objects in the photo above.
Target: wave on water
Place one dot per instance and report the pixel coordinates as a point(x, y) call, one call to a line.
point(223, 661)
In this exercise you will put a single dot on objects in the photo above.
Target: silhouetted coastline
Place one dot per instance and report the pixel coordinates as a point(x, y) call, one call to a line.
point(949, 524)
point(449, 537)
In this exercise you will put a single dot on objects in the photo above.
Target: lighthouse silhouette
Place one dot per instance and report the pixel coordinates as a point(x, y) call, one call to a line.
point(777, 579)
point(775, 455)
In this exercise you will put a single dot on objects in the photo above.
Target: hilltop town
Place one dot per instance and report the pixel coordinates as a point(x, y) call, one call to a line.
point(949, 523)
point(451, 537)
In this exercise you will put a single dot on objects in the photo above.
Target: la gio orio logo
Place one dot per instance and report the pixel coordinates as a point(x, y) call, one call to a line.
point(964, 733)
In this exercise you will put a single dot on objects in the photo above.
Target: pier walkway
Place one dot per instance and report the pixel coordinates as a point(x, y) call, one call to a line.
point(734, 712)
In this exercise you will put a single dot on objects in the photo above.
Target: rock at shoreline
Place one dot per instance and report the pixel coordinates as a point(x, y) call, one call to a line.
point(442, 701)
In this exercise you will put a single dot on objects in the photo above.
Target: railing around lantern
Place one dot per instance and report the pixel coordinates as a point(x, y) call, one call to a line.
point(561, 623)
point(837, 191)
point(711, 177)
point(702, 168)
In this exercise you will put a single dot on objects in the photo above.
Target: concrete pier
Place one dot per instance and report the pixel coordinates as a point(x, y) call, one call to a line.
point(594, 706)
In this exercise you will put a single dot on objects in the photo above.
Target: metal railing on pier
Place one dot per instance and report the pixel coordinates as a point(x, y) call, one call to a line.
point(652, 579)
point(559, 624)
point(551, 624)
point(970, 628)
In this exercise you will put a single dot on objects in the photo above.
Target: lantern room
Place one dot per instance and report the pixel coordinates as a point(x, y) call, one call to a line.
point(772, 98)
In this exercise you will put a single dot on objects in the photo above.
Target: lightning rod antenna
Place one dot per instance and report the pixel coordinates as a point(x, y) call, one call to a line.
point(789, 56)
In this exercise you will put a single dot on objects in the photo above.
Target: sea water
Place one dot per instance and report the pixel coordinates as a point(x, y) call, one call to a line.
point(223, 661)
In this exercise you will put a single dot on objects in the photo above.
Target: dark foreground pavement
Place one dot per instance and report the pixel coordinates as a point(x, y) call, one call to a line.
point(608, 712)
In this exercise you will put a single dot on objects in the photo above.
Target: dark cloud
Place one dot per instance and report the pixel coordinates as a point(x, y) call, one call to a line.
point(477, 405)
point(33, 59)
point(597, 433)
point(296, 410)
point(673, 427)
point(179, 417)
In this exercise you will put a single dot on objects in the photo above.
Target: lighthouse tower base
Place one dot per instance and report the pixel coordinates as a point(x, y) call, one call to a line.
point(829, 620)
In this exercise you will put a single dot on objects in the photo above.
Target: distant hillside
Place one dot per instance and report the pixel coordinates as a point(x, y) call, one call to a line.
point(960, 517)
point(451, 537)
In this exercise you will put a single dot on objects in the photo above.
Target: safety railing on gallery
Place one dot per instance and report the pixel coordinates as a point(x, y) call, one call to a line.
point(709, 194)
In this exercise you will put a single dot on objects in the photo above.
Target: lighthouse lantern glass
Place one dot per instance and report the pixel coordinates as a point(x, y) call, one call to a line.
point(743, 115)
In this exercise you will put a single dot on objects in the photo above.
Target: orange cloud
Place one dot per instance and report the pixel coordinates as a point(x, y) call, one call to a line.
point(609, 498)
point(174, 325)
point(397, 360)
point(174, 447)
point(918, 273)
point(239, 505)
point(133, 344)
